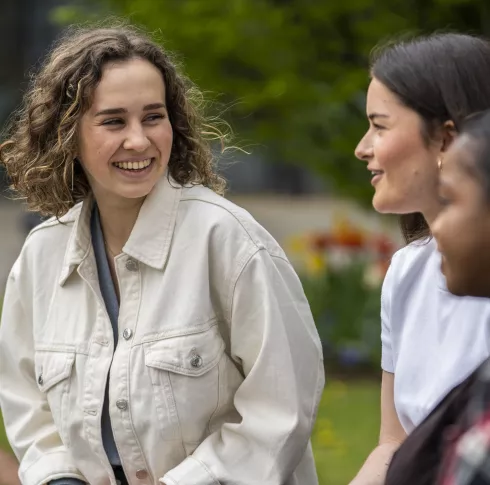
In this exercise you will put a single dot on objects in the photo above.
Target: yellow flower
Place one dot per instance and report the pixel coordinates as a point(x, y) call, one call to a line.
point(326, 437)
point(296, 244)
point(315, 263)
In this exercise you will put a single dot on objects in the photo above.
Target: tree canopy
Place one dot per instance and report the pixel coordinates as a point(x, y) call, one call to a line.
point(293, 73)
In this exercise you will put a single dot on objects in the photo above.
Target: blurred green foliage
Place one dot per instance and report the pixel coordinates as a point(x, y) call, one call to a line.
point(292, 73)
point(346, 311)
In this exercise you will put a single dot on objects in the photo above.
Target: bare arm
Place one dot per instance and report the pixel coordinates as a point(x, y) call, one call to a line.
point(8, 469)
point(391, 435)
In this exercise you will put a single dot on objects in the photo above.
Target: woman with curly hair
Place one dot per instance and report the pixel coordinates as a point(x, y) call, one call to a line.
point(152, 331)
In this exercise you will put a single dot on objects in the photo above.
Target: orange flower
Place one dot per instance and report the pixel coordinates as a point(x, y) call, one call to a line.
point(321, 242)
point(347, 235)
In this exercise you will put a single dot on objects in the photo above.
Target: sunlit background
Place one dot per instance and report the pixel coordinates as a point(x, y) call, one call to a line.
point(289, 76)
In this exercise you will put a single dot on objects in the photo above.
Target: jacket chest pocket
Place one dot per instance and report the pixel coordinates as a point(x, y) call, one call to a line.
point(184, 372)
point(53, 376)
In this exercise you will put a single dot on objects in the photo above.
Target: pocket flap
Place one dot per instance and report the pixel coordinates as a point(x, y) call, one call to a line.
point(190, 355)
point(52, 367)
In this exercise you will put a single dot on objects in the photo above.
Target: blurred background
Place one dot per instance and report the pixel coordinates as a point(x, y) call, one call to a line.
point(290, 77)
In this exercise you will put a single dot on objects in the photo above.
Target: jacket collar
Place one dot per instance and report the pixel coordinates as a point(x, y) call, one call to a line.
point(150, 238)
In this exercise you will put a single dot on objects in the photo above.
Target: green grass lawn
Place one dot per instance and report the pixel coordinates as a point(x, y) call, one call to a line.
point(3, 439)
point(346, 430)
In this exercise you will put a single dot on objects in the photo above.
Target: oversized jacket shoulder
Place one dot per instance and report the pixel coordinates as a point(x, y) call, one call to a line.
point(227, 216)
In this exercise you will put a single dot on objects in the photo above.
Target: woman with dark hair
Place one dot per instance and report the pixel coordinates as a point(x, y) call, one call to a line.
point(452, 445)
point(420, 92)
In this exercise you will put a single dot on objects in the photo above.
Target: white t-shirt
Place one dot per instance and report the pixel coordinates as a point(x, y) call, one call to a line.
point(431, 339)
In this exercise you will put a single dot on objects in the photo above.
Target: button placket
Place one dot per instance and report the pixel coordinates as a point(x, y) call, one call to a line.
point(130, 289)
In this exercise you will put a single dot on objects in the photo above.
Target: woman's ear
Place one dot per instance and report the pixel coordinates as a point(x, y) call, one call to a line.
point(449, 133)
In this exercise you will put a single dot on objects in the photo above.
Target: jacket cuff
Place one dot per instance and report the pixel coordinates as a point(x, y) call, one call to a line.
point(51, 466)
point(190, 472)
point(66, 481)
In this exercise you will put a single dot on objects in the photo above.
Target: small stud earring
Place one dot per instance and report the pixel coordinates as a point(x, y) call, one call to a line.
point(439, 163)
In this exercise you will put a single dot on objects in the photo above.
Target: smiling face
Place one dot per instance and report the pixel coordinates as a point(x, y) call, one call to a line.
point(125, 138)
point(403, 165)
point(462, 228)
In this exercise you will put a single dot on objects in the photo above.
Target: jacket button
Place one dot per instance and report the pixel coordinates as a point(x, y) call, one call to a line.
point(127, 334)
point(122, 404)
point(131, 265)
point(141, 474)
point(196, 361)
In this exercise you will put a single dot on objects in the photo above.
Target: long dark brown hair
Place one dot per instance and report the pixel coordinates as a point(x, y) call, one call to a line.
point(443, 77)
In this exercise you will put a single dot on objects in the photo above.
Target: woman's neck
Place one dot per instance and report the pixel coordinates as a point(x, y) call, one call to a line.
point(118, 218)
point(430, 213)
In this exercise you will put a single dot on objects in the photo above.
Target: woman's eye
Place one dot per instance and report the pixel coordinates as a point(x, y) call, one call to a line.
point(378, 127)
point(119, 121)
point(154, 117)
point(113, 121)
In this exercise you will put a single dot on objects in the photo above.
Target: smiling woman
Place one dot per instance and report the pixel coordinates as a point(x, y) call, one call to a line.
point(125, 137)
point(404, 177)
point(152, 331)
point(420, 92)
point(462, 231)
point(51, 181)
point(464, 191)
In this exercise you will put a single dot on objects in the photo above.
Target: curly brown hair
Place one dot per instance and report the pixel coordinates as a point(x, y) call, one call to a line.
point(39, 155)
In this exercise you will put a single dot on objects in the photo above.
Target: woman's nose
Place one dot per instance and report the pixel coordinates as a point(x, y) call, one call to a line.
point(364, 150)
point(136, 140)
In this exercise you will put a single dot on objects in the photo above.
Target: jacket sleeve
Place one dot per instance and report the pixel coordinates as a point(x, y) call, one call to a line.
point(28, 422)
point(274, 338)
point(66, 481)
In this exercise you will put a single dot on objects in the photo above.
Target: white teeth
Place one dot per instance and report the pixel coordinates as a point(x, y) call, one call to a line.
point(139, 165)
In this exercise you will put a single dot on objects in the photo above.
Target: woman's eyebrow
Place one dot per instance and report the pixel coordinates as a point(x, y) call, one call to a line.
point(373, 116)
point(118, 111)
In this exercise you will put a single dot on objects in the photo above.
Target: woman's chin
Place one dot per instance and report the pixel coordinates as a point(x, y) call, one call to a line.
point(136, 190)
point(135, 194)
point(383, 206)
point(123, 194)
point(389, 202)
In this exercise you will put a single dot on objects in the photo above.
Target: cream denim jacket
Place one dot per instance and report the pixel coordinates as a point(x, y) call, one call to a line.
point(218, 371)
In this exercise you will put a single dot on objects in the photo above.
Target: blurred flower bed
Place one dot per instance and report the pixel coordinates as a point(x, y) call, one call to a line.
point(342, 272)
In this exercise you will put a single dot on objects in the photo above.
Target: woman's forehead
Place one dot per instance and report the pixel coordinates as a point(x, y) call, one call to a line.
point(135, 82)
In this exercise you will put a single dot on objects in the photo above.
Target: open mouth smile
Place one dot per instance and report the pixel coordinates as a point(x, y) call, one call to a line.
point(135, 166)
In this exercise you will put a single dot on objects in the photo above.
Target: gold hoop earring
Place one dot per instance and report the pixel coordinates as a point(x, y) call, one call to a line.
point(439, 163)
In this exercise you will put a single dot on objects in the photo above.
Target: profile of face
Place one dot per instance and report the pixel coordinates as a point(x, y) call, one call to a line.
point(403, 165)
point(125, 137)
point(462, 227)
